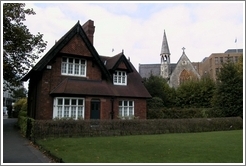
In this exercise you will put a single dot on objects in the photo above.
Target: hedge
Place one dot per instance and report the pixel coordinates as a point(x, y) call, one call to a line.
point(180, 113)
point(86, 128)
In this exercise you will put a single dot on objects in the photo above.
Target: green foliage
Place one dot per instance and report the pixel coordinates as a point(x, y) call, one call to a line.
point(179, 113)
point(20, 104)
point(158, 87)
point(21, 48)
point(228, 97)
point(85, 128)
point(19, 93)
point(195, 93)
point(155, 102)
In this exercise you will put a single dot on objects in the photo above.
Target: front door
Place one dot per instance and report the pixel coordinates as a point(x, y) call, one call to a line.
point(95, 109)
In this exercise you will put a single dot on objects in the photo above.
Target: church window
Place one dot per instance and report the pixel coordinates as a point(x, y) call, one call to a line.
point(184, 76)
point(183, 62)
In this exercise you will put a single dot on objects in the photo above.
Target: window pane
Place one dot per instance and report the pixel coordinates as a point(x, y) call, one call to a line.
point(59, 111)
point(130, 103)
point(64, 67)
point(70, 60)
point(130, 111)
point(66, 111)
point(125, 103)
point(83, 62)
point(80, 102)
point(80, 112)
point(67, 101)
point(77, 61)
point(70, 68)
point(74, 101)
point(115, 79)
point(73, 112)
point(82, 72)
point(60, 101)
point(120, 103)
point(76, 69)
point(125, 111)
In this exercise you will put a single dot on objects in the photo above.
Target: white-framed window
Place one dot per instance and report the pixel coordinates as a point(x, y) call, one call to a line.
point(120, 78)
point(126, 108)
point(66, 107)
point(73, 66)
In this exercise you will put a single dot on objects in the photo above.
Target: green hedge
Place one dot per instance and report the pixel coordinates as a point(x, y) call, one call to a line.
point(180, 113)
point(82, 128)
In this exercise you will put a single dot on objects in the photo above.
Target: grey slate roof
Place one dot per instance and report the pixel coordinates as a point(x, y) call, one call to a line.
point(146, 70)
point(164, 47)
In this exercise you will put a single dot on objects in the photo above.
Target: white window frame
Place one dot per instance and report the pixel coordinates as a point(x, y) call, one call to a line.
point(75, 68)
point(126, 108)
point(69, 107)
point(120, 78)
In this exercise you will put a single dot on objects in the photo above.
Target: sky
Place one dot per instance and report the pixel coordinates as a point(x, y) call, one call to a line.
point(137, 27)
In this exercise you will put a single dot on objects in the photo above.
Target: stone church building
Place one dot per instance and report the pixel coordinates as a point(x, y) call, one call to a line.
point(175, 73)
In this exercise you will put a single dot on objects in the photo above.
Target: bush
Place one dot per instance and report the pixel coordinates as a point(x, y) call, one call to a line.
point(83, 128)
point(179, 113)
point(19, 105)
point(21, 109)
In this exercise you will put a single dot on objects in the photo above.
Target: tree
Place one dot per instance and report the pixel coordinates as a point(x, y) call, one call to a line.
point(20, 47)
point(19, 93)
point(228, 97)
point(158, 87)
point(195, 93)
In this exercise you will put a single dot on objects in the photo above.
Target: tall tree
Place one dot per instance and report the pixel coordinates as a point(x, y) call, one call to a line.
point(228, 98)
point(158, 87)
point(20, 47)
point(195, 93)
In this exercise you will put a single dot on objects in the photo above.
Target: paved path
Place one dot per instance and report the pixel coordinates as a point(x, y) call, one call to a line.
point(16, 148)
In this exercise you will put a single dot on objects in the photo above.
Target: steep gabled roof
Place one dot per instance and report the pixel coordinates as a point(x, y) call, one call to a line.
point(164, 46)
point(76, 29)
point(115, 62)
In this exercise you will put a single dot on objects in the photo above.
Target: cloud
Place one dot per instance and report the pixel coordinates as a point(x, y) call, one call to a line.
point(202, 28)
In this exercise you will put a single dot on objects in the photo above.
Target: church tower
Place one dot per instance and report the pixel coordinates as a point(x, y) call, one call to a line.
point(165, 58)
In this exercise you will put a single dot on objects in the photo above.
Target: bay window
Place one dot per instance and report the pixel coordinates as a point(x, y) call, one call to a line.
point(65, 107)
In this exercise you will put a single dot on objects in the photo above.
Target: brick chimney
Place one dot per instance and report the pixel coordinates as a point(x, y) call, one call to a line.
point(89, 29)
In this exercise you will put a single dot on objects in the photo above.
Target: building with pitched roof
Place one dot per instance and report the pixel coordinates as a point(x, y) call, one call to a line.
point(73, 81)
point(174, 73)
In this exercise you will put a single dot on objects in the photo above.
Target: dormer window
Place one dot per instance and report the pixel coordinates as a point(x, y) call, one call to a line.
point(120, 78)
point(73, 66)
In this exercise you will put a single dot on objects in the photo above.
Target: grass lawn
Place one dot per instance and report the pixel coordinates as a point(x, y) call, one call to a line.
point(206, 147)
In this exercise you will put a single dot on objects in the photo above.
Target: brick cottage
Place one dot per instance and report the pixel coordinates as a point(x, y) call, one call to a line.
point(73, 80)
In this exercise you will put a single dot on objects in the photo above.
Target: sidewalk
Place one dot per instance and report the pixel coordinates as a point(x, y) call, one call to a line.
point(16, 148)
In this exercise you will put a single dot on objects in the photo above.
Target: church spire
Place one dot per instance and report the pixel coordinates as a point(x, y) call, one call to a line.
point(164, 47)
point(165, 58)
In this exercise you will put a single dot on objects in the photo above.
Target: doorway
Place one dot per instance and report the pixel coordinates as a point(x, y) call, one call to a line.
point(95, 109)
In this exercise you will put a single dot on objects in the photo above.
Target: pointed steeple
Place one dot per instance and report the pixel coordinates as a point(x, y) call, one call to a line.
point(164, 47)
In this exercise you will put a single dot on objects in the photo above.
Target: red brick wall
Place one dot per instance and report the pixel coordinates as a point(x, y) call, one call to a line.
point(51, 78)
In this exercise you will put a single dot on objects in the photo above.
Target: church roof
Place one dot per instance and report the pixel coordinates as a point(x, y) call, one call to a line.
point(164, 46)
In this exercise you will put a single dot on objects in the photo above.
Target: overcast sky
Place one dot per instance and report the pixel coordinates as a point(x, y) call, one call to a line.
point(202, 28)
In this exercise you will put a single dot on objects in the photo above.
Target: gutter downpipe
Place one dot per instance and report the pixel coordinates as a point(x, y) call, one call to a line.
point(112, 108)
